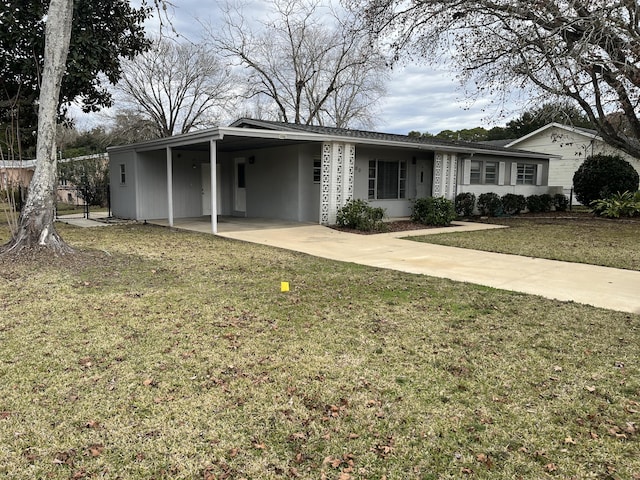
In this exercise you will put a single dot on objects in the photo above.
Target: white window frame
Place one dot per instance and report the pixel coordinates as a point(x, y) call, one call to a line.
point(374, 177)
point(475, 172)
point(123, 174)
point(526, 174)
point(317, 169)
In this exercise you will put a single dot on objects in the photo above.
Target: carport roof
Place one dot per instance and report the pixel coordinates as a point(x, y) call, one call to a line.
point(246, 134)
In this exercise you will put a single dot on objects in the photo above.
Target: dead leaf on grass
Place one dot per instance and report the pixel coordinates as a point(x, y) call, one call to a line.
point(64, 458)
point(96, 449)
point(77, 475)
point(486, 459)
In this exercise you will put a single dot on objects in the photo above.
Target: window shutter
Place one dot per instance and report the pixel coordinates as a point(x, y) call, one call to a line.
point(466, 175)
point(514, 173)
point(501, 169)
point(539, 174)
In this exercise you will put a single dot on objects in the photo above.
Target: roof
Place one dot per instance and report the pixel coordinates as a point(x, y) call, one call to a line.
point(587, 132)
point(247, 133)
point(368, 135)
point(26, 164)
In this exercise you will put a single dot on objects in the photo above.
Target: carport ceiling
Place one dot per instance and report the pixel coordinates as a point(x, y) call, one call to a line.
point(232, 143)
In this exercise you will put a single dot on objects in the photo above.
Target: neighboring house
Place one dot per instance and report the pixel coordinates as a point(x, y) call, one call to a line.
point(16, 173)
point(569, 146)
point(69, 193)
point(305, 173)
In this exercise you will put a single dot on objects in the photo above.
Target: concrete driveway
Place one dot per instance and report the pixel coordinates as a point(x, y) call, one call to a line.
point(592, 285)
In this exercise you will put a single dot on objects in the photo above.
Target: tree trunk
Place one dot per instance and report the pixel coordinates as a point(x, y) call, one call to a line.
point(36, 227)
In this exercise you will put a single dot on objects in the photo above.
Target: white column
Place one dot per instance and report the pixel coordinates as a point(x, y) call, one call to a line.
point(453, 176)
point(348, 172)
point(438, 168)
point(170, 186)
point(214, 186)
point(325, 184)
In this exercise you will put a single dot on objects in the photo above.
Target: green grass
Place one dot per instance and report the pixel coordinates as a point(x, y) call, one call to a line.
point(167, 354)
point(611, 243)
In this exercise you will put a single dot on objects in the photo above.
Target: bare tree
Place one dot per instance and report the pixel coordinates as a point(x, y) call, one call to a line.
point(36, 224)
point(179, 87)
point(309, 62)
point(582, 50)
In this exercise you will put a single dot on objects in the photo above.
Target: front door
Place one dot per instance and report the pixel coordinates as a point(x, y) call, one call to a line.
point(423, 178)
point(240, 192)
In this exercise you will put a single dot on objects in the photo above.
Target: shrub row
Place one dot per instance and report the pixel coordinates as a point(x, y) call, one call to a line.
point(438, 212)
point(492, 205)
point(359, 215)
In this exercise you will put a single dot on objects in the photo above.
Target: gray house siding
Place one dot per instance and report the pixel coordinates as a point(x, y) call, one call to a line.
point(506, 181)
point(299, 172)
point(123, 195)
point(400, 207)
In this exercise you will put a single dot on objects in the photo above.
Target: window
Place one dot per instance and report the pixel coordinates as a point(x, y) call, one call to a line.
point(387, 179)
point(475, 172)
point(491, 172)
point(241, 175)
point(481, 172)
point(527, 173)
point(123, 174)
point(317, 170)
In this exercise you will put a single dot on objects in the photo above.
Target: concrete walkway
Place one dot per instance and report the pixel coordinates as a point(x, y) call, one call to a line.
point(78, 221)
point(603, 287)
point(592, 285)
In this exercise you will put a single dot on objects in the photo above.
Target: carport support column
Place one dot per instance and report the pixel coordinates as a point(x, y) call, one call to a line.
point(170, 186)
point(445, 170)
point(213, 155)
point(336, 183)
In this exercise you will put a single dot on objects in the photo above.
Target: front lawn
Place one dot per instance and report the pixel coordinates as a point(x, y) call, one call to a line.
point(582, 239)
point(174, 355)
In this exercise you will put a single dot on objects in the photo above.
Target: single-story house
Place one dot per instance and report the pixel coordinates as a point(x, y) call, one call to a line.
point(16, 173)
point(569, 146)
point(306, 173)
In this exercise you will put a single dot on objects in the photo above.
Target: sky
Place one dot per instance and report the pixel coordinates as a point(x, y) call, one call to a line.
point(419, 97)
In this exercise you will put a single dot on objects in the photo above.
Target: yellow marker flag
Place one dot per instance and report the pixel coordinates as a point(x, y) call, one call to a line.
point(284, 286)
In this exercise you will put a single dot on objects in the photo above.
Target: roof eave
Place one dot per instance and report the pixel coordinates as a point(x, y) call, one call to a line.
point(220, 132)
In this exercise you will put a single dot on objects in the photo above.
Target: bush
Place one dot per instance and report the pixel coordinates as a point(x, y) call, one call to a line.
point(539, 203)
point(359, 215)
point(560, 202)
point(465, 204)
point(600, 176)
point(438, 212)
point(513, 204)
point(618, 205)
point(490, 204)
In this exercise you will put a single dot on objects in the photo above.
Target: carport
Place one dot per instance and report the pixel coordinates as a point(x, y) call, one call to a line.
point(257, 174)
